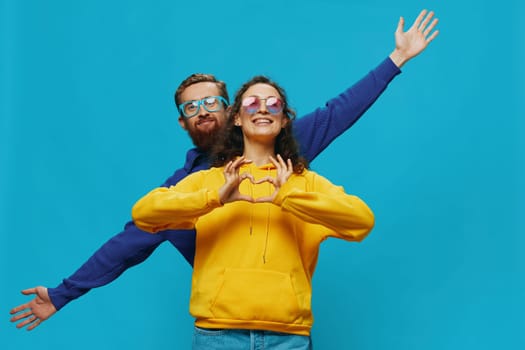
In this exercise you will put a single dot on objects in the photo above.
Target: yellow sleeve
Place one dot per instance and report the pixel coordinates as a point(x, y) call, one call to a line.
point(176, 207)
point(323, 203)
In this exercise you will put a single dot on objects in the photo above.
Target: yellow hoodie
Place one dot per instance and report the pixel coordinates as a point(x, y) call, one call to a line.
point(254, 261)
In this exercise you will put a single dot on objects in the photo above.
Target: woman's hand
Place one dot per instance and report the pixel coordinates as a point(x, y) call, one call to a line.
point(284, 171)
point(229, 192)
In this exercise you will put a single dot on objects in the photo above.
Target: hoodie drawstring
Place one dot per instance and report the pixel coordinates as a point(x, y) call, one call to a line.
point(267, 216)
point(267, 221)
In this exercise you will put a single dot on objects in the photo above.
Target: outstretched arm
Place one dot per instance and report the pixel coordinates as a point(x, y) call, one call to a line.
point(120, 253)
point(316, 130)
point(125, 250)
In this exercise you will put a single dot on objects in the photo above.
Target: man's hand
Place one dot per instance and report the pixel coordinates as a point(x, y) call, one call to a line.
point(33, 313)
point(411, 43)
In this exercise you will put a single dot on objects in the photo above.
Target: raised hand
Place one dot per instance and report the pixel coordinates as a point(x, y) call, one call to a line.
point(229, 192)
point(284, 171)
point(412, 42)
point(33, 313)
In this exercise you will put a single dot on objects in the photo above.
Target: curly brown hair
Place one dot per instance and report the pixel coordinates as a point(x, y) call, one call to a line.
point(230, 143)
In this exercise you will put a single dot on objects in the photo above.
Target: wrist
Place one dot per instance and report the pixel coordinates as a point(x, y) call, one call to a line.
point(398, 57)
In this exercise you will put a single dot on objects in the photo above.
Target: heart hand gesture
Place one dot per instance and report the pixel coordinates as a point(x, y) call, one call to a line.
point(229, 192)
point(284, 171)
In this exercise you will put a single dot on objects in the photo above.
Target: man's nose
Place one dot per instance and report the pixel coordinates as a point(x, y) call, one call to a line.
point(203, 112)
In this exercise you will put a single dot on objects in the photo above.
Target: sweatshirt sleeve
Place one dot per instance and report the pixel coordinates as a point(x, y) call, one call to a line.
point(127, 249)
point(316, 130)
point(123, 251)
point(346, 216)
point(177, 207)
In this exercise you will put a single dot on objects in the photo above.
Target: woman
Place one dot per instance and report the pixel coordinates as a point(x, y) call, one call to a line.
point(260, 217)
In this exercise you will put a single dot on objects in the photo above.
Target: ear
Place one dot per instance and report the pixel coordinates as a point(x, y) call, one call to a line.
point(237, 120)
point(284, 122)
point(182, 123)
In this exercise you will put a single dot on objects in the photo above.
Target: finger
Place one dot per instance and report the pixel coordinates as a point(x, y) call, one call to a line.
point(245, 176)
point(281, 161)
point(263, 199)
point(21, 316)
point(264, 179)
point(275, 162)
point(433, 36)
point(243, 197)
point(266, 199)
point(290, 165)
point(285, 167)
point(26, 322)
point(228, 166)
point(400, 25)
point(278, 164)
point(419, 19)
point(29, 291)
point(34, 325)
point(19, 308)
point(427, 19)
point(429, 29)
point(245, 161)
point(238, 163)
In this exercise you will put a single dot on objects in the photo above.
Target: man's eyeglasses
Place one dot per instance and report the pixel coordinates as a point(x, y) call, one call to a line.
point(252, 104)
point(211, 103)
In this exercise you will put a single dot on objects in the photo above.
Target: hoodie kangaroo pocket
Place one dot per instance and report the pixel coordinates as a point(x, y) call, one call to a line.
point(247, 294)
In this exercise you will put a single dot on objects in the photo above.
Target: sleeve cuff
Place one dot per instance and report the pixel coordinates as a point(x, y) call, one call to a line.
point(62, 295)
point(388, 69)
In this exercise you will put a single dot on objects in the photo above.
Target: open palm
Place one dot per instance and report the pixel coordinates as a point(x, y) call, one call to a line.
point(412, 42)
point(34, 312)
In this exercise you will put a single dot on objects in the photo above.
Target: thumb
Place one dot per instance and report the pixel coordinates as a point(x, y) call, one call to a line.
point(29, 291)
point(265, 199)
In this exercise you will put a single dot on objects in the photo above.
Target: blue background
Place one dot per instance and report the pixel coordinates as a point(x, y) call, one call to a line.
point(88, 126)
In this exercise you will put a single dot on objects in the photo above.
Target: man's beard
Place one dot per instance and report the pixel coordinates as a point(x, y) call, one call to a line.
point(204, 140)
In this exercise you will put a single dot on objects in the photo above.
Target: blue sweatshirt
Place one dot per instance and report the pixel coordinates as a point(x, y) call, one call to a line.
point(314, 132)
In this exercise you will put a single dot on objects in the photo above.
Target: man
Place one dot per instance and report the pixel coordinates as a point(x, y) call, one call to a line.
point(202, 102)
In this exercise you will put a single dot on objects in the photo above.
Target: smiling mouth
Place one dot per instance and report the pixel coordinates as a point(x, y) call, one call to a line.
point(262, 121)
